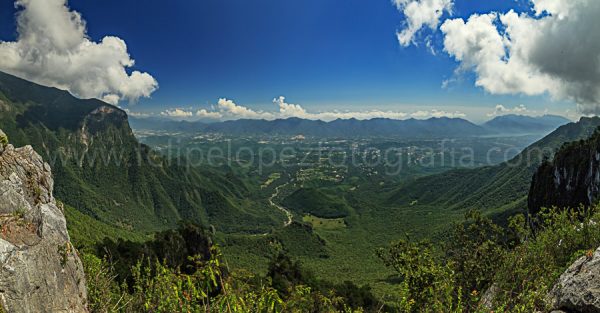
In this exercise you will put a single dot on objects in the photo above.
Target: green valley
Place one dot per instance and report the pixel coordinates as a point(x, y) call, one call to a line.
point(327, 203)
point(354, 195)
point(313, 156)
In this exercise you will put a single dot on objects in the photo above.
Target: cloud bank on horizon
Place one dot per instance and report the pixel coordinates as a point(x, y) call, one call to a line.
point(226, 109)
point(53, 49)
point(553, 49)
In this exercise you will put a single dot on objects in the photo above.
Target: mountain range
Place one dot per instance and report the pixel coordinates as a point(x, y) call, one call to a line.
point(410, 128)
point(519, 124)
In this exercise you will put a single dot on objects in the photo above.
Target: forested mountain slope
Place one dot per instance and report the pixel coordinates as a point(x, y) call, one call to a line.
point(102, 170)
point(503, 187)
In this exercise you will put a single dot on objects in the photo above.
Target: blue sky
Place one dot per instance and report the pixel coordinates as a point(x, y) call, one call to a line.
point(321, 54)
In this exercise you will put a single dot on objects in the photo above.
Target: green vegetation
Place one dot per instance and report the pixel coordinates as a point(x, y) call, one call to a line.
point(566, 181)
point(426, 285)
point(273, 177)
point(207, 288)
point(198, 280)
point(318, 223)
point(3, 139)
point(101, 170)
point(300, 239)
point(86, 231)
point(529, 271)
point(316, 202)
point(522, 265)
point(500, 189)
point(375, 207)
point(123, 210)
point(19, 214)
point(522, 275)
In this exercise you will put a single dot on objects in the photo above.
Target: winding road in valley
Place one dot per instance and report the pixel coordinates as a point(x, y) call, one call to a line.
point(279, 207)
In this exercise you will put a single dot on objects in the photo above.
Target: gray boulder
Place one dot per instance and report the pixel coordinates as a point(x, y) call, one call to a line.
point(40, 270)
point(578, 288)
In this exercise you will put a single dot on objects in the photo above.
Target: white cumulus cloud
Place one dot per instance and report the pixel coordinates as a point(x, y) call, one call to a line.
point(53, 49)
point(228, 109)
point(455, 114)
point(205, 114)
point(556, 53)
point(295, 110)
point(520, 109)
point(437, 113)
point(290, 110)
point(138, 114)
point(559, 8)
point(420, 14)
point(177, 113)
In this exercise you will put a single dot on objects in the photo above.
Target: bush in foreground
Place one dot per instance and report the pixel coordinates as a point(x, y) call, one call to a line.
point(521, 264)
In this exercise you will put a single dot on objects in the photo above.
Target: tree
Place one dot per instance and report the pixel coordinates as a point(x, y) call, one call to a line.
point(427, 285)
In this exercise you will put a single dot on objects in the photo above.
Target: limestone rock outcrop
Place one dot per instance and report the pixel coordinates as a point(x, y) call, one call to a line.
point(40, 271)
point(578, 288)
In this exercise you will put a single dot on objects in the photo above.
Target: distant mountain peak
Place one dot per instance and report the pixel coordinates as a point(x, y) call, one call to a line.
point(525, 124)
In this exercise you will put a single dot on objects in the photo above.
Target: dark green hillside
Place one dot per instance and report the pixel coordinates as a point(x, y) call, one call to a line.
point(497, 188)
point(101, 170)
point(316, 202)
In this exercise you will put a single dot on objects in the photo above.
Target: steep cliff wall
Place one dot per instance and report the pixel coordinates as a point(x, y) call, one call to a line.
point(39, 269)
point(571, 179)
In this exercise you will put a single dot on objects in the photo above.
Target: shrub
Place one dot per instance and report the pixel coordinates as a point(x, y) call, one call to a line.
point(426, 284)
point(523, 265)
point(3, 139)
point(475, 249)
point(531, 269)
point(158, 288)
point(104, 293)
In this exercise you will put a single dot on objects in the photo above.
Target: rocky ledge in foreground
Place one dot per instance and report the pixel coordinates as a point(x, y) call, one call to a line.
point(578, 288)
point(39, 269)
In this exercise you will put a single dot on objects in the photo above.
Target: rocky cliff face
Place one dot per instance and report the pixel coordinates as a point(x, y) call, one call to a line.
point(39, 269)
point(571, 179)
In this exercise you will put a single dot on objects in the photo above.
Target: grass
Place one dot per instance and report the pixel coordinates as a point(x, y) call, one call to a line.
point(273, 177)
point(318, 223)
point(317, 202)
